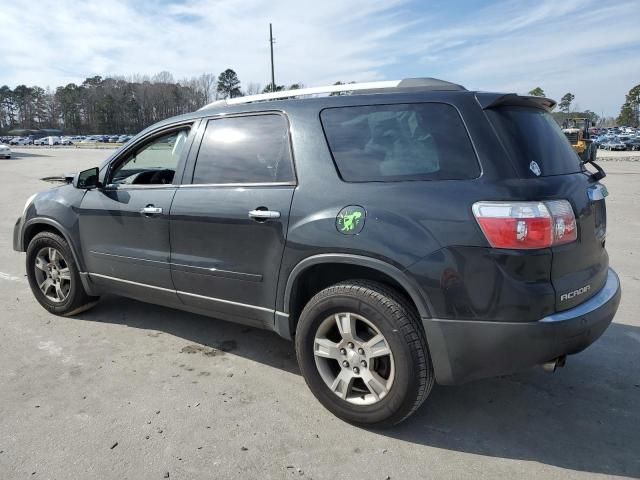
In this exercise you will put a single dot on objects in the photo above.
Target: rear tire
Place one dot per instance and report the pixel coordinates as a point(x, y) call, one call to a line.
point(352, 374)
point(53, 276)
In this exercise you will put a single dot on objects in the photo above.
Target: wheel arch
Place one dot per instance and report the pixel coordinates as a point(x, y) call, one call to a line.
point(40, 224)
point(353, 266)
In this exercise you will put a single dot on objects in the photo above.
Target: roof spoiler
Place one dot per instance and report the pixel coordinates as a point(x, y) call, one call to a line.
point(492, 100)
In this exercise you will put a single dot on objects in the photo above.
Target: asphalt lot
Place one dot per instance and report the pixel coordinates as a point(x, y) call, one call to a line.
point(130, 390)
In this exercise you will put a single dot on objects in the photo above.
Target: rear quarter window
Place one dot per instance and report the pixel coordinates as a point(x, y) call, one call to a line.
point(384, 143)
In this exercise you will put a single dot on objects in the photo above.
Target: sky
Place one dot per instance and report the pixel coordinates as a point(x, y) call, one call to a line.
point(587, 47)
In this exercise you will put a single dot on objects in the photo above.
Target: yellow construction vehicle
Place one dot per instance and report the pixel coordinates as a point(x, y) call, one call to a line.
point(577, 132)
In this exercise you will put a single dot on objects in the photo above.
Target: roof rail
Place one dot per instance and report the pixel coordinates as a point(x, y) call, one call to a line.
point(367, 87)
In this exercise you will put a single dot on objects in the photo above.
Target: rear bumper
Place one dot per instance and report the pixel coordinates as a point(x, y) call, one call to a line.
point(464, 350)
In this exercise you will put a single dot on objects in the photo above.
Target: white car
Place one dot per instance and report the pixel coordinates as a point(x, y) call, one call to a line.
point(21, 141)
point(5, 151)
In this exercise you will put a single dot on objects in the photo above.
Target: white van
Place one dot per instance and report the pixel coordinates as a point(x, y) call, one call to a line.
point(51, 141)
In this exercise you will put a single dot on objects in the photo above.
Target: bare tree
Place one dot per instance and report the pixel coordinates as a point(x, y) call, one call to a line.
point(206, 84)
point(253, 88)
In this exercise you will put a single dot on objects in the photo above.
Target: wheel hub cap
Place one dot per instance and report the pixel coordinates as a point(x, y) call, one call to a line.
point(353, 358)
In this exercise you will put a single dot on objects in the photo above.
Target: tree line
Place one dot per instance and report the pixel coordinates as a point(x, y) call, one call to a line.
point(629, 112)
point(116, 104)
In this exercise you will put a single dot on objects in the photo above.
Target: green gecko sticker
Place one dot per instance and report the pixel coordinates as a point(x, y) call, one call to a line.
point(350, 220)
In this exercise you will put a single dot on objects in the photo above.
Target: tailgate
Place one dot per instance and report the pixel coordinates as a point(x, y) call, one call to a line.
point(543, 157)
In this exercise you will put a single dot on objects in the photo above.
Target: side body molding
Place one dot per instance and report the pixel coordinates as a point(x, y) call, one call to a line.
point(284, 324)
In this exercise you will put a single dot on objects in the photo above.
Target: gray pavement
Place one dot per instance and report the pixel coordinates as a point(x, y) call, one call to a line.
point(130, 390)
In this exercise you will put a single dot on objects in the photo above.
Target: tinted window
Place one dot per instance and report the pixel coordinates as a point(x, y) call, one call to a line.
point(531, 134)
point(252, 149)
point(399, 142)
point(153, 163)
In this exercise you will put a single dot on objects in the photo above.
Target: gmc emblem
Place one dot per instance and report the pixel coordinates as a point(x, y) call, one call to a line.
point(575, 293)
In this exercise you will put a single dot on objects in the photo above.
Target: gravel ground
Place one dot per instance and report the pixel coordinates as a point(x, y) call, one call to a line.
point(130, 390)
point(618, 156)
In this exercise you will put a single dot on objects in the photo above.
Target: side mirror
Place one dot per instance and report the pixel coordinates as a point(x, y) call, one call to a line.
point(87, 179)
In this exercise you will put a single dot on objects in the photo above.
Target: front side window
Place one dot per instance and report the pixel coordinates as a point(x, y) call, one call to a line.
point(153, 163)
point(248, 149)
point(422, 141)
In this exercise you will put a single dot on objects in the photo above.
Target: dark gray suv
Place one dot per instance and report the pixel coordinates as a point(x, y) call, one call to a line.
point(403, 233)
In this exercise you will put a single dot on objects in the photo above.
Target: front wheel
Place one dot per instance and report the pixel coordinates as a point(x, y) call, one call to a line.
point(363, 353)
point(53, 276)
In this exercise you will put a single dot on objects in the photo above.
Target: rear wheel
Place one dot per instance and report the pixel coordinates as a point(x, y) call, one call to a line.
point(363, 354)
point(53, 276)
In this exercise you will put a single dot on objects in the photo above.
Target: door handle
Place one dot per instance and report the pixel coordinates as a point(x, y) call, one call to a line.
point(151, 210)
point(261, 215)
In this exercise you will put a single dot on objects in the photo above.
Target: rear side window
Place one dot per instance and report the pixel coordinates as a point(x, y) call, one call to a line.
point(532, 135)
point(425, 141)
point(251, 149)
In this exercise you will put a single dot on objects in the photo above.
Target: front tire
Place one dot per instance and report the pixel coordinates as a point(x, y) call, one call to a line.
point(363, 353)
point(53, 276)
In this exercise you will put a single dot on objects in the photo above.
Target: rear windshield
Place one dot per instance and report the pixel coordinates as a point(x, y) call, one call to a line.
point(532, 135)
point(424, 141)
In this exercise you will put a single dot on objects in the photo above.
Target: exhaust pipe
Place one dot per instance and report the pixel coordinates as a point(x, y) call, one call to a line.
point(551, 366)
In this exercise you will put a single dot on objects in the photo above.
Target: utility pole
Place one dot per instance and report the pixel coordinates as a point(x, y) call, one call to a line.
point(271, 42)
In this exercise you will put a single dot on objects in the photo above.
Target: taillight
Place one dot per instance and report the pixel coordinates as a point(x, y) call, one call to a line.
point(526, 225)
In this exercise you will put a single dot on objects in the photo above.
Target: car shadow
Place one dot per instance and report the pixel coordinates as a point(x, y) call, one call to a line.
point(18, 155)
point(585, 417)
point(259, 345)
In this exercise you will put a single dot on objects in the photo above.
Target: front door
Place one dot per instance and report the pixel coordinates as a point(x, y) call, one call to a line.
point(228, 227)
point(124, 226)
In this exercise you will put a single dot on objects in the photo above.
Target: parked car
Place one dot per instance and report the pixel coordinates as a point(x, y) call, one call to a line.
point(21, 141)
point(597, 141)
point(421, 234)
point(5, 151)
point(50, 140)
point(613, 144)
point(633, 143)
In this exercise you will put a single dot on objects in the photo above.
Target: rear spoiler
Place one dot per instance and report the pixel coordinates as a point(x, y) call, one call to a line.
point(492, 100)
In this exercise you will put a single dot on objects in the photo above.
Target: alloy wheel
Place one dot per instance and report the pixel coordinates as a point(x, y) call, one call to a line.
point(353, 358)
point(52, 274)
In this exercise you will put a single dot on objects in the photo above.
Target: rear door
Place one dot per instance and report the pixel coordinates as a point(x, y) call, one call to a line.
point(229, 221)
point(542, 154)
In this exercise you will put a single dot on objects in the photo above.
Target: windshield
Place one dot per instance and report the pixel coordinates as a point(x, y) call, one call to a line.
point(532, 135)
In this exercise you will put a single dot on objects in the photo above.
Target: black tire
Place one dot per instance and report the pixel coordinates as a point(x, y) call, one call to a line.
point(77, 299)
point(398, 322)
